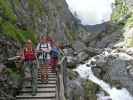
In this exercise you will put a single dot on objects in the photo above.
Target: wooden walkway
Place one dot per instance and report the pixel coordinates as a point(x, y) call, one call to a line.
point(46, 91)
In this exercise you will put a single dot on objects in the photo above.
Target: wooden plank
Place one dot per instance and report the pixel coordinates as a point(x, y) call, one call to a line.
point(38, 96)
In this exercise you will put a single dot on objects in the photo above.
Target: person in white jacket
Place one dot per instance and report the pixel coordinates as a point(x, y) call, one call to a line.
point(44, 49)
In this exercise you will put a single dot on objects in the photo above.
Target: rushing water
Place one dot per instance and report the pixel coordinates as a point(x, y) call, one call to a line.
point(114, 93)
point(91, 12)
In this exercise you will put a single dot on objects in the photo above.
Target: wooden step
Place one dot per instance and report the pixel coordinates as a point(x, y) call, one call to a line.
point(37, 99)
point(48, 73)
point(45, 91)
point(49, 82)
point(38, 96)
point(39, 90)
point(43, 86)
point(49, 79)
point(45, 68)
point(49, 76)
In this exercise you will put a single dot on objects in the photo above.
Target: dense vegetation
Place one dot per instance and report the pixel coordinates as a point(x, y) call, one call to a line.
point(123, 17)
point(8, 23)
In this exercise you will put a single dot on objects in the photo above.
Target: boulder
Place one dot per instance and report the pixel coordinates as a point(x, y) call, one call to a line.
point(82, 56)
point(68, 51)
point(75, 90)
point(72, 61)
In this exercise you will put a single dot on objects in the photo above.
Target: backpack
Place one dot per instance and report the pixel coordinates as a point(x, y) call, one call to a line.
point(29, 54)
point(54, 53)
point(42, 53)
point(40, 46)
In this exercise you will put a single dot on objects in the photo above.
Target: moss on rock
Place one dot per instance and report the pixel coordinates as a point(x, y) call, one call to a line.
point(90, 90)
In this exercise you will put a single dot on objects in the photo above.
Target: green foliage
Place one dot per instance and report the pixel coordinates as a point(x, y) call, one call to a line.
point(70, 34)
point(8, 23)
point(37, 7)
point(11, 31)
point(123, 16)
point(90, 90)
point(29, 35)
point(120, 11)
point(6, 11)
point(129, 22)
point(72, 75)
point(129, 42)
point(14, 32)
point(13, 74)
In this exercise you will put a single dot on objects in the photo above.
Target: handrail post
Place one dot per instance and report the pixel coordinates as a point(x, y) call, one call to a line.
point(61, 79)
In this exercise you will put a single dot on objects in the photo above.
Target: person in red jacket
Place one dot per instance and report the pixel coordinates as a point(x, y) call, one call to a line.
point(30, 66)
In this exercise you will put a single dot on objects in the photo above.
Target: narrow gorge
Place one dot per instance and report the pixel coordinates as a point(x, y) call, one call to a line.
point(106, 42)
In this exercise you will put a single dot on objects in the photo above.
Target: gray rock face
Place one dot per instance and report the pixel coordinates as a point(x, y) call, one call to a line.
point(79, 46)
point(119, 72)
point(45, 17)
point(8, 48)
point(88, 37)
point(109, 40)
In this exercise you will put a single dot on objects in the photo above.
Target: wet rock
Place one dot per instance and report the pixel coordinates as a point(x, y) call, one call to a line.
point(115, 66)
point(72, 61)
point(75, 90)
point(94, 51)
point(82, 56)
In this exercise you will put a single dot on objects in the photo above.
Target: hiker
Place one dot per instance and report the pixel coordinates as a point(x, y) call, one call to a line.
point(44, 49)
point(54, 57)
point(30, 67)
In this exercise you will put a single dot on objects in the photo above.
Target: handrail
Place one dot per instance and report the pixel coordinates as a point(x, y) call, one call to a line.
point(61, 76)
point(61, 79)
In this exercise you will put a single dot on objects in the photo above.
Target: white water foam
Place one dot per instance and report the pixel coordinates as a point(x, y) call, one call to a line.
point(114, 93)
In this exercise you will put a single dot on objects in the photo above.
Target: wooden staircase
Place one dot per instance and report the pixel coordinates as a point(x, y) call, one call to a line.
point(45, 91)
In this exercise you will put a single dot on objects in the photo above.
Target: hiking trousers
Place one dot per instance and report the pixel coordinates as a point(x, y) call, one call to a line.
point(53, 64)
point(30, 73)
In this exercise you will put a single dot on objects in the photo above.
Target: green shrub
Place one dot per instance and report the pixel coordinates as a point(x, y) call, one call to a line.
point(120, 11)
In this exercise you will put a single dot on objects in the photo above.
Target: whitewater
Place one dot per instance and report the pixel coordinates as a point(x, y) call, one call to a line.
point(85, 71)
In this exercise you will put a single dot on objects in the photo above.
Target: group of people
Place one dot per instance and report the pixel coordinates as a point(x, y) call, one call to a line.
point(45, 55)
